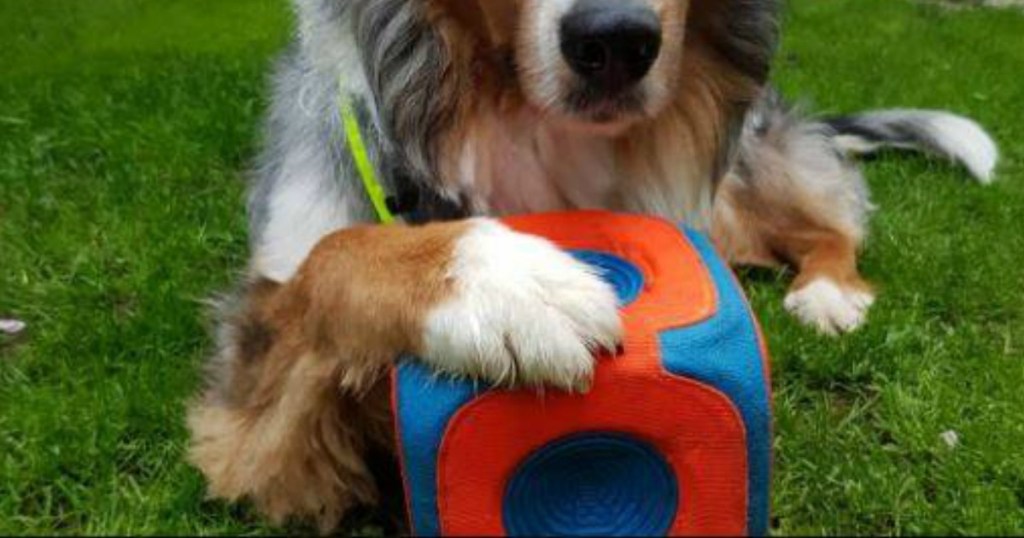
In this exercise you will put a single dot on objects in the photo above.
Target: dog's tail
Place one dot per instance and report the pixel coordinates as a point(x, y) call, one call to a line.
point(940, 133)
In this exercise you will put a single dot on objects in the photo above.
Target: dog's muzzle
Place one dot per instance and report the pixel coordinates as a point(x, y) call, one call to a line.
point(610, 44)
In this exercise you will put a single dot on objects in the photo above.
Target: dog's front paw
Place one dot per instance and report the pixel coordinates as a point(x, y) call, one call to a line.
point(523, 312)
point(830, 308)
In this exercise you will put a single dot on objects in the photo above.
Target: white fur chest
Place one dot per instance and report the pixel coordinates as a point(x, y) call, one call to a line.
point(519, 163)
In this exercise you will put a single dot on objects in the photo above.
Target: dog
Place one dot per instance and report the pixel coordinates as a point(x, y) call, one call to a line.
point(468, 109)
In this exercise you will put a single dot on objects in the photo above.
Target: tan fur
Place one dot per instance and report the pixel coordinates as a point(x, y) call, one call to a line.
point(299, 397)
point(494, 22)
point(771, 228)
point(690, 130)
point(478, 35)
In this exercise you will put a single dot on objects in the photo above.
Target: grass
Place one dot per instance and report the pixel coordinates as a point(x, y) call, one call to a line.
point(125, 130)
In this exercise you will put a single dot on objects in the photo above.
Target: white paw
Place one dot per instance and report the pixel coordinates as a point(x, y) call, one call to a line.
point(828, 307)
point(523, 312)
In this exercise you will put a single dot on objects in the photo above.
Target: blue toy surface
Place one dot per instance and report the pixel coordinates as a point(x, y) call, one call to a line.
point(592, 484)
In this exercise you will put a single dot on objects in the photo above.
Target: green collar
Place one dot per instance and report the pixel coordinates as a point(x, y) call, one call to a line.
point(357, 147)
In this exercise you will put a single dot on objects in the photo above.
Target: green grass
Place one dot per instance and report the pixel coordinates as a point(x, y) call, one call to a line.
point(125, 130)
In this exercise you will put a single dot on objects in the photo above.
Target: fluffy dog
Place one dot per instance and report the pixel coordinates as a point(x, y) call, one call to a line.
point(473, 108)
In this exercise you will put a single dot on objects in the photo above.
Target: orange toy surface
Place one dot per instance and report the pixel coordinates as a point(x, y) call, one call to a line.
point(673, 438)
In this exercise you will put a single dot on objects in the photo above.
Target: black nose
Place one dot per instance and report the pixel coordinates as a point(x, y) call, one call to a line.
point(610, 43)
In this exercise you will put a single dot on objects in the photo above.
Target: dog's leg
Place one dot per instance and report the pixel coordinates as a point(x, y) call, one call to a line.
point(792, 199)
point(754, 226)
point(285, 420)
point(470, 298)
point(273, 425)
point(828, 292)
point(772, 228)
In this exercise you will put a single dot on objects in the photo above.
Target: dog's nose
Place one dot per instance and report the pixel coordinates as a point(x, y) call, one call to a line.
point(610, 43)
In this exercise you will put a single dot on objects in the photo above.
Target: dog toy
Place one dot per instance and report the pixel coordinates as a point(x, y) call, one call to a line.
point(673, 438)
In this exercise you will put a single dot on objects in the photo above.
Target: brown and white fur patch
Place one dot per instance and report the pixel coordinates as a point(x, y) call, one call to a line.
point(298, 399)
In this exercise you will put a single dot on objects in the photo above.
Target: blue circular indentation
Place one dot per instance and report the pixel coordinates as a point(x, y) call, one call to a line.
point(623, 275)
point(594, 484)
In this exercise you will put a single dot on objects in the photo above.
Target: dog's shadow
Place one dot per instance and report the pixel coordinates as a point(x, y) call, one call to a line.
point(388, 517)
point(763, 276)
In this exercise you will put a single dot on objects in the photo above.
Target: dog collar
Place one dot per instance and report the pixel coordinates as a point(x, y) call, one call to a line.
point(364, 167)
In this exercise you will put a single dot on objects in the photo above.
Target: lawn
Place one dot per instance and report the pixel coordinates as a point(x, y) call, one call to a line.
point(126, 127)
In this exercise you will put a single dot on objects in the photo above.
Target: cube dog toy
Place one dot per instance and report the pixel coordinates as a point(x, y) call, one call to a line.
point(673, 438)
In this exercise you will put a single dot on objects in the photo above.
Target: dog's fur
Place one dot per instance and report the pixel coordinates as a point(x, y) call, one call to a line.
point(469, 110)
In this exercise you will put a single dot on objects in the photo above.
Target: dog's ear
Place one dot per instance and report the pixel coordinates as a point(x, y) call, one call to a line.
point(744, 32)
point(492, 21)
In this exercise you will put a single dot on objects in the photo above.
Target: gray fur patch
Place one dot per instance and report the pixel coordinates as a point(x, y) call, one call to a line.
point(409, 73)
point(784, 160)
point(303, 121)
point(935, 132)
point(407, 105)
point(746, 34)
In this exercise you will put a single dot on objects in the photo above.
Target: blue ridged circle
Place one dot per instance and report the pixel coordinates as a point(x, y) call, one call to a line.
point(626, 278)
point(595, 484)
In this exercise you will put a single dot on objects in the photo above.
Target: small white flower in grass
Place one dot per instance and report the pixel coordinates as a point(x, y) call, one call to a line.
point(11, 326)
point(951, 438)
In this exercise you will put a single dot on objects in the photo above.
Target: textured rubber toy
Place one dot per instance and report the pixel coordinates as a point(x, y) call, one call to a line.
point(674, 437)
